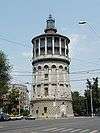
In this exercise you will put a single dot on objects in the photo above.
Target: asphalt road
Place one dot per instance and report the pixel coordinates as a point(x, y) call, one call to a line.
point(76, 125)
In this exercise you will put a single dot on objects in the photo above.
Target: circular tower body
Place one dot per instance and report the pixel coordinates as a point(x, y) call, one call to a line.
point(51, 95)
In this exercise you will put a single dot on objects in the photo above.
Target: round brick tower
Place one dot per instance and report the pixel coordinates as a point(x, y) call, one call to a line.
point(51, 95)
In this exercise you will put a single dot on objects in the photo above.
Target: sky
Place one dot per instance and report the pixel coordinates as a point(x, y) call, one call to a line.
point(21, 20)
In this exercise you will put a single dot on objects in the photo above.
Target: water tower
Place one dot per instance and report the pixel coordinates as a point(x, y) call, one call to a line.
point(51, 95)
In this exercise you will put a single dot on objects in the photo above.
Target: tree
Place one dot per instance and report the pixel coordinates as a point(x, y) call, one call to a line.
point(95, 95)
point(4, 77)
point(13, 101)
point(78, 103)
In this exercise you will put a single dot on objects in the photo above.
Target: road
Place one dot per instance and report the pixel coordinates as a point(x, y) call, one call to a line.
point(75, 125)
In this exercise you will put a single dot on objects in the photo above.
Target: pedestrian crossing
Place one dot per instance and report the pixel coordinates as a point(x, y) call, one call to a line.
point(64, 130)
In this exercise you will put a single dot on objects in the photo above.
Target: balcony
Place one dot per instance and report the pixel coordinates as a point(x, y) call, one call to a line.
point(51, 57)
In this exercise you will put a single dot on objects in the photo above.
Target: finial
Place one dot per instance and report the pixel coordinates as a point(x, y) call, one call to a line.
point(50, 16)
point(50, 27)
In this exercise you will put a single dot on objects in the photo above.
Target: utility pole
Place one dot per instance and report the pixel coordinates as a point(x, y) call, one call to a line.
point(89, 83)
point(19, 102)
point(91, 102)
point(86, 106)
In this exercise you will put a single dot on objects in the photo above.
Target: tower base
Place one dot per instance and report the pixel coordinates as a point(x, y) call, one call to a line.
point(52, 109)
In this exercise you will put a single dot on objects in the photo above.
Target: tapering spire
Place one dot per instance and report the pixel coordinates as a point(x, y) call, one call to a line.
point(50, 27)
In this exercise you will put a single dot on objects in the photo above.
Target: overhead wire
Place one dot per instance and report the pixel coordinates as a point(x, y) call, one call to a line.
point(14, 42)
point(73, 72)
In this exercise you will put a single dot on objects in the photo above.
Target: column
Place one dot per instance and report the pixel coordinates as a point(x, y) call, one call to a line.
point(35, 49)
point(53, 45)
point(57, 82)
point(45, 45)
point(39, 47)
point(65, 47)
point(60, 44)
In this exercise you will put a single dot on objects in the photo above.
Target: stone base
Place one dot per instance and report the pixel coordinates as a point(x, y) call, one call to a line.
point(52, 109)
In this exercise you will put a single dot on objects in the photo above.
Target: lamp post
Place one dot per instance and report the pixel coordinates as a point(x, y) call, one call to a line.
point(90, 87)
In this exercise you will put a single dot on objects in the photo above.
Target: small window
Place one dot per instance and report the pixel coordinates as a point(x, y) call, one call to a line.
point(46, 67)
point(46, 76)
point(61, 85)
point(34, 69)
point(46, 92)
point(45, 109)
point(60, 67)
point(66, 68)
point(39, 85)
point(34, 77)
point(37, 111)
point(33, 88)
point(39, 67)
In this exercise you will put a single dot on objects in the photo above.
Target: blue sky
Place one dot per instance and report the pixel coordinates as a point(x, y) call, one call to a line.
point(20, 20)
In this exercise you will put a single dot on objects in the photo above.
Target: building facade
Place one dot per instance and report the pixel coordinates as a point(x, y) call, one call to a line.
point(51, 96)
point(23, 95)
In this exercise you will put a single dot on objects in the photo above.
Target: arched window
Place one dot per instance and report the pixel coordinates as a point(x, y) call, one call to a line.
point(34, 69)
point(65, 68)
point(46, 72)
point(61, 76)
point(46, 67)
point(61, 67)
point(53, 67)
point(46, 91)
point(53, 74)
point(39, 67)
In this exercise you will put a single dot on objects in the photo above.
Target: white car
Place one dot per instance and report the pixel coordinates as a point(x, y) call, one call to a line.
point(30, 117)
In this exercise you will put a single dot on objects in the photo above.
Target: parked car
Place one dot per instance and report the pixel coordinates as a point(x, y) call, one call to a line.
point(16, 117)
point(97, 114)
point(19, 117)
point(30, 117)
point(4, 117)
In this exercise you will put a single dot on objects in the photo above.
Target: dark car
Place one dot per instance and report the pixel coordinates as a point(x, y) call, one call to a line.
point(4, 117)
point(97, 114)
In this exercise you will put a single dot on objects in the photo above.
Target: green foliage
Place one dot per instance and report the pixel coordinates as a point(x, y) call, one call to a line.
point(78, 103)
point(4, 77)
point(25, 112)
point(13, 101)
point(95, 95)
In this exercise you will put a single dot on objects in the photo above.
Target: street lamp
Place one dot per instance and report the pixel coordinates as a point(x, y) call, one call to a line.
point(91, 27)
point(91, 96)
point(82, 22)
